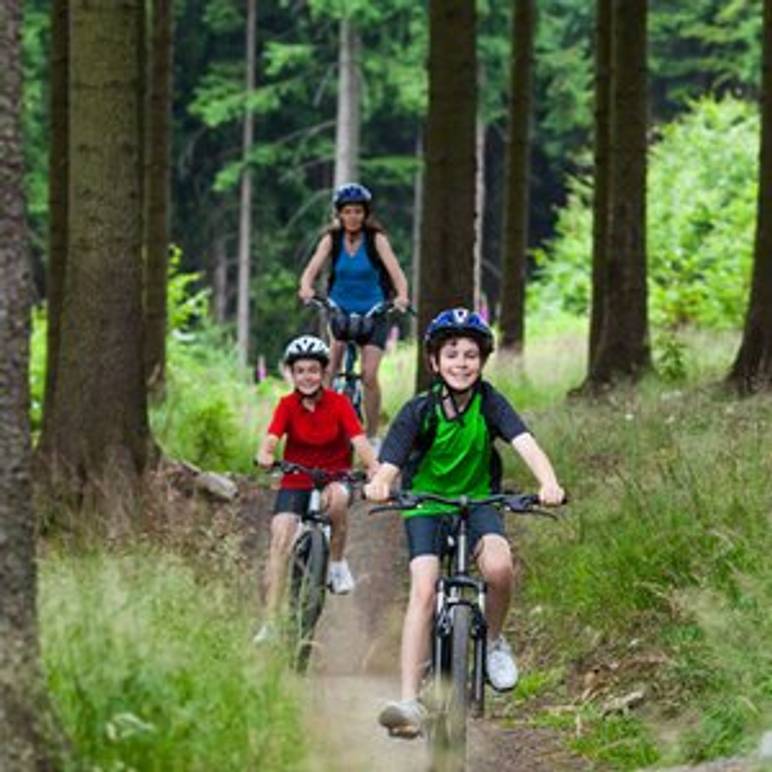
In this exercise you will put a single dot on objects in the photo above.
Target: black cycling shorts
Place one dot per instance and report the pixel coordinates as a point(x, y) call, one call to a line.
point(427, 534)
point(291, 500)
point(378, 336)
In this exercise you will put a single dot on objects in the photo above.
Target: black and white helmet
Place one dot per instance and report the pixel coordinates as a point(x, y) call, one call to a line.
point(307, 347)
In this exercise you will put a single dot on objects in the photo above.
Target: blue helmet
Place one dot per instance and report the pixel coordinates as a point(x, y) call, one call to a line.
point(458, 322)
point(351, 193)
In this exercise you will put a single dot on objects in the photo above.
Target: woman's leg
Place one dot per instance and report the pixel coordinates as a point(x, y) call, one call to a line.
point(416, 628)
point(284, 526)
point(337, 349)
point(371, 361)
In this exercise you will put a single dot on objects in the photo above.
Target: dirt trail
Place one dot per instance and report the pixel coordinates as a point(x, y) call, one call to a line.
point(355, 668)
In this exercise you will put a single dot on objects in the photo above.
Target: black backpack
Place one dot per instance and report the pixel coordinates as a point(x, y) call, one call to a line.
point(384, 279)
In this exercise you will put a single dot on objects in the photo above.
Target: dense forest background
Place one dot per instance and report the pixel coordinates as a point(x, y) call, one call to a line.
point(706, 47)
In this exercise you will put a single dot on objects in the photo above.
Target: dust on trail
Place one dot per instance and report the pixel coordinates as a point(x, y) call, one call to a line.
point(355, 669)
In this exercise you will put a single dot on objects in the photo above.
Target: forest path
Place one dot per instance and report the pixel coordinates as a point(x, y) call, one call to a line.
point(356, 665)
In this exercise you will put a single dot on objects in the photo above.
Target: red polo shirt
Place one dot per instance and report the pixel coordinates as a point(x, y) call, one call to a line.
point(320, 437)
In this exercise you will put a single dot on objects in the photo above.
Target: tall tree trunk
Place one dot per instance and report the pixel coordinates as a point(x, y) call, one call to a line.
point(752, 368)
point(157, 185)
point(245, 213)
point(348, 124)
point(418, 204)
point(57, 195)
point(20, 684)
point(600, 207)
point(516, 200)
point(447, 233)
point(479, 208)
point(220, 277)
point(623, 347)
point(99, 437)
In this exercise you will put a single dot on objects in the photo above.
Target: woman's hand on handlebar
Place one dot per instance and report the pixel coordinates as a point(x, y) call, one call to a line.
point(401, 303)
point(305, 293)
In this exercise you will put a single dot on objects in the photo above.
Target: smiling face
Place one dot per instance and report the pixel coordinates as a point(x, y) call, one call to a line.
point(352, 217)
point(458, 363)
point(307, 376)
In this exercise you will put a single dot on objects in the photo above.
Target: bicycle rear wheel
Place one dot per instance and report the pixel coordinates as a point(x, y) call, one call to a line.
point(307, 591)
point(448, 741)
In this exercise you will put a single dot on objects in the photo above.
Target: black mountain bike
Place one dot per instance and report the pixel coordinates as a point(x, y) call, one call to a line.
point(355, 330)
point(455, 687)
point(309, 560)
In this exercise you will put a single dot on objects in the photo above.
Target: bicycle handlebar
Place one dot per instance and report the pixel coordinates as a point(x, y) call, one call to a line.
point(379, 309)
point(354, 476)
point(518, 503)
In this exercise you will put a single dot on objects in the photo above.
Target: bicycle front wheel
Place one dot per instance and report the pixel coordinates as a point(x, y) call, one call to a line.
point(307, 591)
point(452, 697)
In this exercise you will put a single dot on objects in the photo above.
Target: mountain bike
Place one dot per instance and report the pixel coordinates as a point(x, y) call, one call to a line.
point(356, 330)
point(455, 686)
point(309, 559)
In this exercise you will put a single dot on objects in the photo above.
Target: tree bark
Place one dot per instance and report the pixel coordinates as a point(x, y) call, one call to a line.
point(447, 234)
point(21, 746)
point(98, 433)
point(516, 199)
point(418, 202)
point(245, 213)
point(220, 278)
point(623, 347)
point(348, 124)
point(600, 207)
point(57, 195)
point(752, 368)
point(479, 208)
point(157, 192)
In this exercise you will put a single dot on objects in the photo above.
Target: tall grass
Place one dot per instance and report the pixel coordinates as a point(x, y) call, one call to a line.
point(151, 668)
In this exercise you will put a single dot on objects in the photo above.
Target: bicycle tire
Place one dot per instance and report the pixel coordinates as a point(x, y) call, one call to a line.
point(448, 743)
point(308, 587)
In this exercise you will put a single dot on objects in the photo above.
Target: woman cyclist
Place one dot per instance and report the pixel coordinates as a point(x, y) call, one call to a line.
point(364, 272)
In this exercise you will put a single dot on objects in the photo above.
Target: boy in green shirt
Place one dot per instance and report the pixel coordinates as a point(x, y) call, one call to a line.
point(442, 442)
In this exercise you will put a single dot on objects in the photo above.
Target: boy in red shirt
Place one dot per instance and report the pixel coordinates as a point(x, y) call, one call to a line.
point(321, 427)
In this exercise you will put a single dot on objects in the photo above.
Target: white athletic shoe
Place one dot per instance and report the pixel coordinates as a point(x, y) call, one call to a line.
point(339, 578)
point(375, 444)
point(404, 719)
point(500, 665)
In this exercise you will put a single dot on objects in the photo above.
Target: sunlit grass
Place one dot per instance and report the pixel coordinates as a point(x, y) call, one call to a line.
point(151, 668)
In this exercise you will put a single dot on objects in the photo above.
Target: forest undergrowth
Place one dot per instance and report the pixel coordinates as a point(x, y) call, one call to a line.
point(653, 588)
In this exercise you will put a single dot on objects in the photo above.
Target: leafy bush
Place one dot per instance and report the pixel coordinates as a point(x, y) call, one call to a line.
point(701, 211)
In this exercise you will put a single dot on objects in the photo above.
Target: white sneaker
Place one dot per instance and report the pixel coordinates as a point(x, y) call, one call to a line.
point(405, 718)
point(500, 665)
point(266, 634)
point(339, 578)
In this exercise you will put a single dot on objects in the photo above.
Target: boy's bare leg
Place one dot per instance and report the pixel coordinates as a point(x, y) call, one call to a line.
point(371, 361)
point(424, 571)
point(496, 565)
point(283, 528)
point(335, 499)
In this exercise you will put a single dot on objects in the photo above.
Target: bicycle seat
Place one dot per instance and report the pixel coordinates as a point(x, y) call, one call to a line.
point(356, 327)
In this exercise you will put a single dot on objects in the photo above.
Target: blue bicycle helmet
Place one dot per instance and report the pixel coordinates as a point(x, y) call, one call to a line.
point(351, 193)
point(458, 322)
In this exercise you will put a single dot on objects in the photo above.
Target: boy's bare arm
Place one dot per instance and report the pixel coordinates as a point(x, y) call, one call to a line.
point(536, 460)
point(379, 488)
point(266, 453)
point(366, 454)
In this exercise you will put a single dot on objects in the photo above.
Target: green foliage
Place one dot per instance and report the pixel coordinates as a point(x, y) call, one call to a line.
point(701, 211)
point(37, 368)
point(621, 741)
point(184, 303)
point(150, 669)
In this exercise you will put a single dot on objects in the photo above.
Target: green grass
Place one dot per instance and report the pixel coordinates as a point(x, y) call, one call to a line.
point(150, 667)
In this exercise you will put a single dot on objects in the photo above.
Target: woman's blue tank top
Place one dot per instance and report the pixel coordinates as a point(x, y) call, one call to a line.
point(357, 287)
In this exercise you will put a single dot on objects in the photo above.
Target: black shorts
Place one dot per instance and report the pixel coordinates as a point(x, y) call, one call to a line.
point(296, 501)
point(378, 336)
point(427, 534)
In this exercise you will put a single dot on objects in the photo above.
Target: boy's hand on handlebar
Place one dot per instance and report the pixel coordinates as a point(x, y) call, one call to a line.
point(376, 491)
point(552, 495)
point(264, 459)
